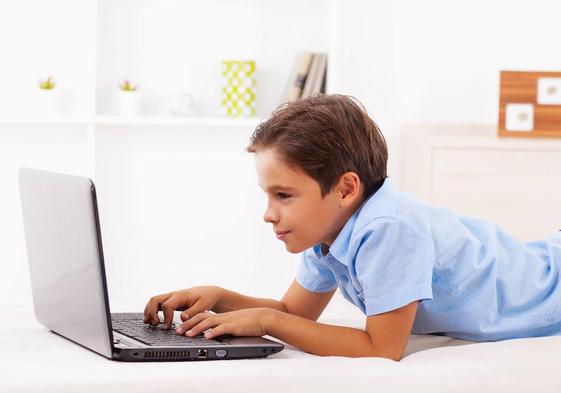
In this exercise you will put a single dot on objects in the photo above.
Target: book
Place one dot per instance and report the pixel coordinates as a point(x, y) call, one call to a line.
point(319, 79)
point(312, 74)
point(298, 81)
point(324, 82)
point(315, 80)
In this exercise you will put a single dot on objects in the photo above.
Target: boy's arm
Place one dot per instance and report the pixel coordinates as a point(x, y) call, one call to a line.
point(297, 301)
point(306, 304)
point(386, 334)
point(232, 301)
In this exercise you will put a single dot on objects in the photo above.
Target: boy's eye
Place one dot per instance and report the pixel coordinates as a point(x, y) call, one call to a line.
point(282, 195)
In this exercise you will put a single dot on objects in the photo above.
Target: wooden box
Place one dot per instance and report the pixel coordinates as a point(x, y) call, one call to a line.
point(530, 104)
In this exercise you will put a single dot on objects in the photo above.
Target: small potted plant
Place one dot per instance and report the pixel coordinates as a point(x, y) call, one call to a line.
point(129, 100)
point(46, 95)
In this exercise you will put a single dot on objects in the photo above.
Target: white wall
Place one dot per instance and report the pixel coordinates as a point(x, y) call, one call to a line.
point(39, 38)
point(183, 209)
point(448, 54)
point(56, 148)
point(363, 65)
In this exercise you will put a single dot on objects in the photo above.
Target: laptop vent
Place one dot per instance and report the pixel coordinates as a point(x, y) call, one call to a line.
point(166, 354)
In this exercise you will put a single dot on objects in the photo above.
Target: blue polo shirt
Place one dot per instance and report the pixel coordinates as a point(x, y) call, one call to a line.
point(473, 280)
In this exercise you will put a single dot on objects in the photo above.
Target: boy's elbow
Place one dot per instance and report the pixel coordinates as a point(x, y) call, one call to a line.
point(395, 354)
point(394, 357)
point(378, 354)
point(391, 356)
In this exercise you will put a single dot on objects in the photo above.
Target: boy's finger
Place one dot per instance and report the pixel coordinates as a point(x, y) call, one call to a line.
point(192, 311)
point(191, 323)
point(168, 307)
point(153, 308)
point(218, 330)
point(146, 314)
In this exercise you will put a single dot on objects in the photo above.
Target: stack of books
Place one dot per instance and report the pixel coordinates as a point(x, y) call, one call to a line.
point(308, 77)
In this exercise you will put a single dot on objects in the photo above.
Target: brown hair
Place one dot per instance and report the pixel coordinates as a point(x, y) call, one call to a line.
point(326, 136)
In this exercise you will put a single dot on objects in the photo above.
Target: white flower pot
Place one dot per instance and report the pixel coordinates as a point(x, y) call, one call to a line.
point(129, 103)
point(46, 101)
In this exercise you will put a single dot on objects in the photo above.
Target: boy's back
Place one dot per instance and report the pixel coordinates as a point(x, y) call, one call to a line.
point(489, 285)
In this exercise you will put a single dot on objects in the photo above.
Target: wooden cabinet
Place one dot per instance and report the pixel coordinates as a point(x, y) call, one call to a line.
point(515, 183)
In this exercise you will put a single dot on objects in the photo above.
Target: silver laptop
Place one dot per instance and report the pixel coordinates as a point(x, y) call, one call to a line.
point(70, 297)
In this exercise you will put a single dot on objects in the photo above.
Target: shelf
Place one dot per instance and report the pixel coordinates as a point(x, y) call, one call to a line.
point(188, 122)
point(45, 120)
point(207, 121)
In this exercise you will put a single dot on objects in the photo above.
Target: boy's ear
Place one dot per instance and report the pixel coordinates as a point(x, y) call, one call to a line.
point(349, 188)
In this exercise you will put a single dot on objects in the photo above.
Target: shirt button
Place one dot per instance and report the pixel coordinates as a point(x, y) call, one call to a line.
point(344, 278)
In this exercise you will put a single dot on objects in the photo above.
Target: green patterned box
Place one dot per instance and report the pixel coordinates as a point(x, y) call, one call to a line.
point(238, 88)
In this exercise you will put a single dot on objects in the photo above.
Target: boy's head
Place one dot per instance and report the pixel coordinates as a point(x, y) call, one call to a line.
point(317, 158)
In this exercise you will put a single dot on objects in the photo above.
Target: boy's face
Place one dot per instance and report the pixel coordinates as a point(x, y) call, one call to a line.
point(301, 217)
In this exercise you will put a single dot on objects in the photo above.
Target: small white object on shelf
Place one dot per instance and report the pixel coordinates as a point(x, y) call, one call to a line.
point(180, 105)
point(129, 98)
point(46, 96)
point(129, 103)
point(46, 101)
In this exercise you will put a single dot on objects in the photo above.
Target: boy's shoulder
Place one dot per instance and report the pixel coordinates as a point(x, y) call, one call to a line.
point(388, 205)
point(387, 218)
point(392, 215)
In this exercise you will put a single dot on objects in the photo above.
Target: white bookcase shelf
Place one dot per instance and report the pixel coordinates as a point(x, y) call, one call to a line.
point(186, 122)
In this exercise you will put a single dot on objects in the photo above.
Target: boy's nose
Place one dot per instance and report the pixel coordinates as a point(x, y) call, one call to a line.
point(270, 216)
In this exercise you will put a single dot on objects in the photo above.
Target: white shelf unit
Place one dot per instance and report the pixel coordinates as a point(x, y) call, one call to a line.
point(175, 46)
point(160, 179)
point(168, 47)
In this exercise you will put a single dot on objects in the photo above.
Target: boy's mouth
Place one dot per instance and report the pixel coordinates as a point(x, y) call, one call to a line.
point(281, 234)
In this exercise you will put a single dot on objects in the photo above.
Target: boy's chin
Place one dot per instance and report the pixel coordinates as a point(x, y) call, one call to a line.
point(295, 249)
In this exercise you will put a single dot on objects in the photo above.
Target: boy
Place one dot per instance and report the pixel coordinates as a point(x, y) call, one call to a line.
point(410, 267)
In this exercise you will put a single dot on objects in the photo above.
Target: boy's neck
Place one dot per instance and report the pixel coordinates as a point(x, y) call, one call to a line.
point(344, 218)
point(324, 249)
point(350, 210)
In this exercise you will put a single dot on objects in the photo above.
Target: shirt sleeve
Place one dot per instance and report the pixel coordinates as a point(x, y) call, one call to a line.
point(394, 265)
point(314, 275)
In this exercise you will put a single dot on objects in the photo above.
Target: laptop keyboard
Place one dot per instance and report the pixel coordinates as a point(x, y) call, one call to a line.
point(132, 325)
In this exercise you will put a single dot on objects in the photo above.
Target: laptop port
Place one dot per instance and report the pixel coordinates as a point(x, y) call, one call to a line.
point(202, 354)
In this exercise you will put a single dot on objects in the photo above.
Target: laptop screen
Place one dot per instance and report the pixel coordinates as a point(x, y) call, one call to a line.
point(65, 257)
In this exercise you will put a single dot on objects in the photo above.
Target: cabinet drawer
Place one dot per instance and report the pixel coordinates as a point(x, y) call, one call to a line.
point(518, 189)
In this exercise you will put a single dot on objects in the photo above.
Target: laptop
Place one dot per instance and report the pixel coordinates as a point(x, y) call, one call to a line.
point(68, 281)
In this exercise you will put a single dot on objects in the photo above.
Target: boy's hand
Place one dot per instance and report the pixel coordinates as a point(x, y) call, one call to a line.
point(246, 322)
point(191, 301)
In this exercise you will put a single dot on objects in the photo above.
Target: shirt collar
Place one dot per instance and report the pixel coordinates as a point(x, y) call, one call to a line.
point(382, 203)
